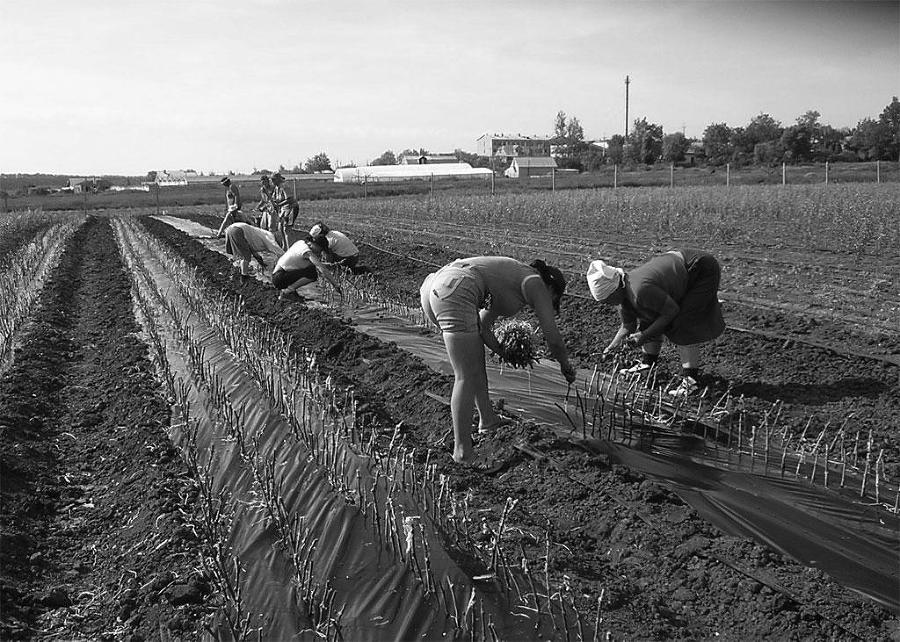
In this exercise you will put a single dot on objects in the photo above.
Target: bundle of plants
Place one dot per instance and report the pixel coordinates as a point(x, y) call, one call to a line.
point(518, 342)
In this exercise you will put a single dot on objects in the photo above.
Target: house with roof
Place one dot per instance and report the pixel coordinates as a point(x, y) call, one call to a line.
point(530, 167)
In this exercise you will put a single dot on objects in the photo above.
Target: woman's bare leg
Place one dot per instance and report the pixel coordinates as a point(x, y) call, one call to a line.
point(466, 352)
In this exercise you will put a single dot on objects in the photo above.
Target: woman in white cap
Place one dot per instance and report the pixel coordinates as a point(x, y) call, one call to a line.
point(455, 299)
point(341, 250)
point(247, 241)
point(300, 266)
point(673, 295)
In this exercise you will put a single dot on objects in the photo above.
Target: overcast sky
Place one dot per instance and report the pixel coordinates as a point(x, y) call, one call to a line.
point(123, 87)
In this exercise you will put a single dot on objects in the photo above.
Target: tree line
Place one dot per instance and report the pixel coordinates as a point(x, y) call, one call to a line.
point(763, 141)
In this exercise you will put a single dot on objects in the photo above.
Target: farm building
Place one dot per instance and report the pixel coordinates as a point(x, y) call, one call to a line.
point(427, 159)
point(81, 184)
point(509, 147)
point(385, 173)
point(530, 167)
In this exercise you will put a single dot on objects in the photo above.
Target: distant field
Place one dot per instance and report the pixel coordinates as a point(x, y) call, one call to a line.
point(211, 194)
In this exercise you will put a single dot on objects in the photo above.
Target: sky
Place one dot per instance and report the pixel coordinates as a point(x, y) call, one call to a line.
point(124, 87)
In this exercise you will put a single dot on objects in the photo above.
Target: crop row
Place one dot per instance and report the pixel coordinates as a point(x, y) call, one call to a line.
point(395, 491)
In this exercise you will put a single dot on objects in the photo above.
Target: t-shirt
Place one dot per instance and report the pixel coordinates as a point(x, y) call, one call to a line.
point(258, 239)
point(340, 245)
point(654, 289)
point(503, 278)
point(296, 257)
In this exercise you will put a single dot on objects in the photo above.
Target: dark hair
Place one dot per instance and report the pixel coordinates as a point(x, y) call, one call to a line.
point(554, 279)
point(321, 241)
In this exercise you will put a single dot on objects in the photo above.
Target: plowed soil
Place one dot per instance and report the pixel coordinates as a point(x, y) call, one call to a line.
point(93, 538)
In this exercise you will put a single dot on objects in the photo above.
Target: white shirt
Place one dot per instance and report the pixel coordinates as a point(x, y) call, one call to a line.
point(339, 244)
point(296, 258)
point(258, 239)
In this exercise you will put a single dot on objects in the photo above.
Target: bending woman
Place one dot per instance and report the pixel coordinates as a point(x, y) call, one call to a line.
point(673, 295)
point(300, 266)
point(454, 298)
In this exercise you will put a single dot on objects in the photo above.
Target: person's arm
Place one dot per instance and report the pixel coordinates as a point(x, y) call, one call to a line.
point(626, 328)
point(487, 318)
point(541, 302)
point(667, 310)
point(324, 271)
point(237, 196)
point(226, 221)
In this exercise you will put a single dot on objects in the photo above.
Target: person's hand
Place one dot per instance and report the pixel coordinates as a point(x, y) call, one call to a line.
point(635, 339)
point(568, 371)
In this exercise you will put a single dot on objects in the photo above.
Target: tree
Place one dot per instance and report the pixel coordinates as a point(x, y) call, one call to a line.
point(797, 143)
point(472, 159)
point(559, 129)
point(717, 143)
point(645, 142)
point(574, 131)
point(387, 158)
point(615, 149)
point(890, 120)
point(674, 147)
point(318, 163)
point(871, 139)
point(763, 129)
point(151, 176)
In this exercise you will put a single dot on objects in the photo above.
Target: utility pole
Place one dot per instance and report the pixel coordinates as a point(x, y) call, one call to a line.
point(627, 82)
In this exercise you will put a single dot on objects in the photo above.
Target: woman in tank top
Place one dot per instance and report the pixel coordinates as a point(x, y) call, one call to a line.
point(455, 299)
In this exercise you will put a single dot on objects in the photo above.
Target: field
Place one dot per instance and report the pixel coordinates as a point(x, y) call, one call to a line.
point(185, 455)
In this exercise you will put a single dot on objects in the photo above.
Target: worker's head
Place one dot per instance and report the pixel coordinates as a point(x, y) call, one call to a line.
point(604, 282)
point(264, 179)
point(277, 178)
point(225, 181)
point(553, 278)
point(317, 244)
point(319, 229)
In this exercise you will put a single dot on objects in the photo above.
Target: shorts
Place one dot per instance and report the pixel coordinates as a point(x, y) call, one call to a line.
point(451, 298)
point(285, 278)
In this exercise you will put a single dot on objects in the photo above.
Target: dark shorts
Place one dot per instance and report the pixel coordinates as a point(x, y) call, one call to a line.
point(284, 278)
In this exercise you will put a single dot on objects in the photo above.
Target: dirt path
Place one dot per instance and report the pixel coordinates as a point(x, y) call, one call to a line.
point(94, 545)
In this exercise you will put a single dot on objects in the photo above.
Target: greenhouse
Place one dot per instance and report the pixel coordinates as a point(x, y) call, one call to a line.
point(384, 173)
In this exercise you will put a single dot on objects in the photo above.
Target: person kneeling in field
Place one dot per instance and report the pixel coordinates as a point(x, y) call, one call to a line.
point(300, 266)
point(247, 241)
point(453, 299)
point(341, 250)
point(673, 295)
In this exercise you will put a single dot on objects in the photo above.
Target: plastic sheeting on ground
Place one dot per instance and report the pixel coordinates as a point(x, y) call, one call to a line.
point(855, 544)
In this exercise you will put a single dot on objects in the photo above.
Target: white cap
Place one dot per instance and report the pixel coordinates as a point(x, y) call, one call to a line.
point(603, 279)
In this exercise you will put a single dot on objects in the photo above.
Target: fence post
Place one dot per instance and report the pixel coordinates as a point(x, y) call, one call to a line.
point(553, 179)
point(826, 172)
point(783, 173)
point(492, 181)
point(294, 185)
point(366, 186)
point(878, 171)
point(727, 174)
point(615, 175)
point(157, 199)
point(672, 175)
point(432, 185)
